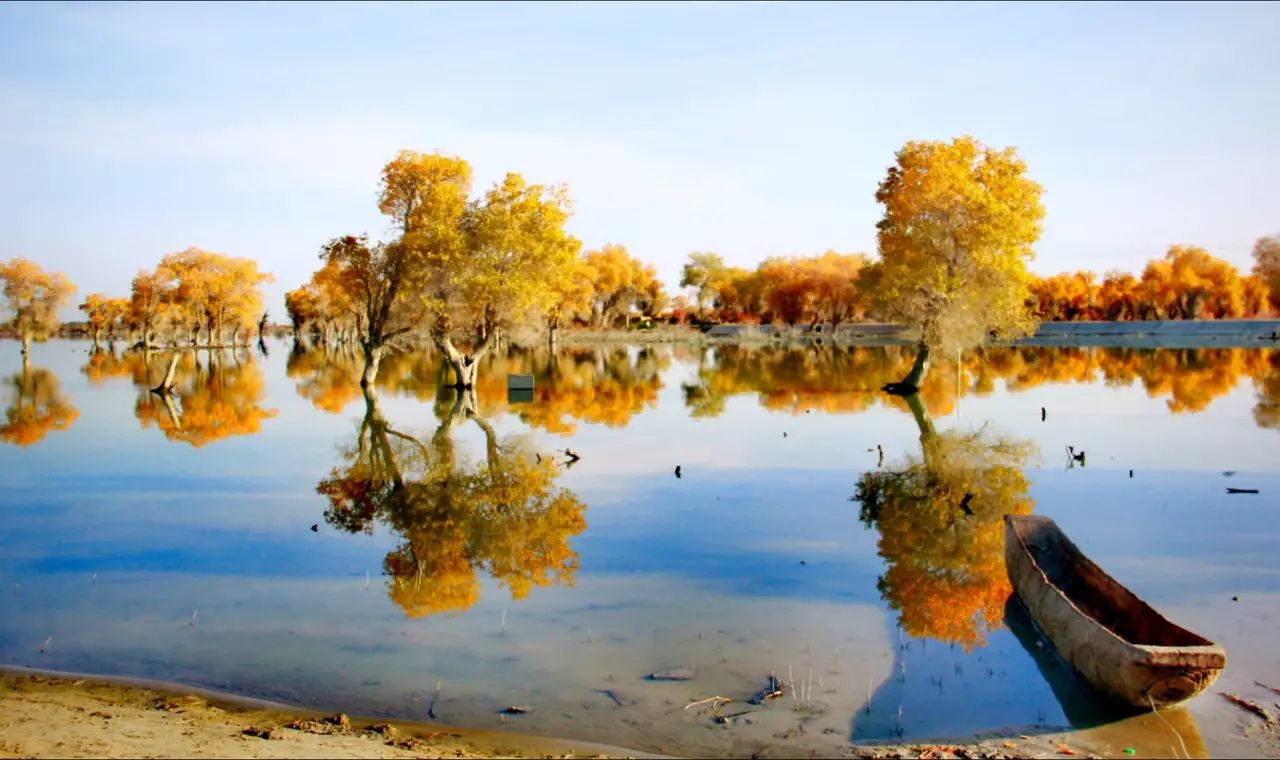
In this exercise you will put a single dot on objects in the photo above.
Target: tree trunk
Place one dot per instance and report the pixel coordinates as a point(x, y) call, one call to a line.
point(464, 366)
point(372, 357)
point(553, 335)
point(97, 336)
point(26, 346)
point(167, 382)
point(918, 369)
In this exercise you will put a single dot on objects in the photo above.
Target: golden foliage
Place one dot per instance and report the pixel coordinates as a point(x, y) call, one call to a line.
point(32, 298)
point(208, 402)
point(623, 284)
point(104, 313)
point(945, 570)
point(503, 517)
point(34, 405)
point(959, 222)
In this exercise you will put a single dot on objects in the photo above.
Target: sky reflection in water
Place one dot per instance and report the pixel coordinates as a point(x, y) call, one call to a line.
point(506, 577)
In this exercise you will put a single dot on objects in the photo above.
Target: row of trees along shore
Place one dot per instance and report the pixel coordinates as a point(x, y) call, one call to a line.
point(960, 220)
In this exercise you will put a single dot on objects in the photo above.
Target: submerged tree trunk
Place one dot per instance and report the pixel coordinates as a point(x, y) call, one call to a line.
point(911, 383)
point(167, 382)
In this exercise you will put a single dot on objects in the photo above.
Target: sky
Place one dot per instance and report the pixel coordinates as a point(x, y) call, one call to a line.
point(128, 131)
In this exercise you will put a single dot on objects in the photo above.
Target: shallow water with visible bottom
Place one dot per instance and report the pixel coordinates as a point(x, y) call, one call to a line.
point(269, 530)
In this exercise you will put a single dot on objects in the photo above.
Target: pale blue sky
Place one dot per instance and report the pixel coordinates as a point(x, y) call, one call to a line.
point(130, 131)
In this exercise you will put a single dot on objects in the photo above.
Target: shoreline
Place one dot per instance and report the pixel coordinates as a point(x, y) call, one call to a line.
point(61, 714)
point(49, 713)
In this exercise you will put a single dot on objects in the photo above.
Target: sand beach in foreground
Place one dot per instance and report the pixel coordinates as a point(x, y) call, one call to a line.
point(60, 715)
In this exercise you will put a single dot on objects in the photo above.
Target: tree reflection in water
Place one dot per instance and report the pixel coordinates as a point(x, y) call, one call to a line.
point(209, 401)
point(599, 385)
point(34, 405)
point(940, 518)
point(845, 379)
point(503, 516)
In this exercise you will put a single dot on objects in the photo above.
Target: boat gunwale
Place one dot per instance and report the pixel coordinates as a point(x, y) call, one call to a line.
point(1149, 651)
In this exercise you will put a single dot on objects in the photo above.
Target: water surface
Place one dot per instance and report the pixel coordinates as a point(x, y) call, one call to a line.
point(460, 566)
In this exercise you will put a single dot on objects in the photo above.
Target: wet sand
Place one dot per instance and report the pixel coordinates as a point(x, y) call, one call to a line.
point(66, 716)
point(56, 716)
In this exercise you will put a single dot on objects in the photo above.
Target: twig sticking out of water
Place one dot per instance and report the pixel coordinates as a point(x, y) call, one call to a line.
point(717, 700)
point(431, 708)
point(869, 679)
point(1252, 707)
point(1269, 688)
point(194, 613)
point(1171, 728)
point(45, 645)
point(366, 580)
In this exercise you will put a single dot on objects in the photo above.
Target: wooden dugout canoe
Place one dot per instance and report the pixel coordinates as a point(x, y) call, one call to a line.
point(1119, 643)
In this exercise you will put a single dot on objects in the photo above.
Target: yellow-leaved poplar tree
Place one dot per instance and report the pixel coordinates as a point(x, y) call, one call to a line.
point(32, 298)
point(959, 223)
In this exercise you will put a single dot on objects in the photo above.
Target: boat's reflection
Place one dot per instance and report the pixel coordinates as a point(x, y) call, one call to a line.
point(1105, 727)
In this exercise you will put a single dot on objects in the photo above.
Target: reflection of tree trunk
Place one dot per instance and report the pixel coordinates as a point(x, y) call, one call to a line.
point(928, 433)
point(380, 453)
point(173, 410)
point(167, 382)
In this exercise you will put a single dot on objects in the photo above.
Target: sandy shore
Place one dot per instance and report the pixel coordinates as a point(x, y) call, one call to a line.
point(49, 716)
point(67, 716)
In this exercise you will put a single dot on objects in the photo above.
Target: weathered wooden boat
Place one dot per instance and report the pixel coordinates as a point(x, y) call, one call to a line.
point(1119, 643)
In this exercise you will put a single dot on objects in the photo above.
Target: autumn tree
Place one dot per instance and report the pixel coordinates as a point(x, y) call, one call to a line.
point(104, 314)
point(959, 223)
point(623, 284)
point(1189, 282)
point(702, 272)
point(458, 266)
point(32, 298)
point(1066, 297)
point(34, 405)
point(1266, 265)
point(571, 296)
point(215, 292)
point(741, 294)
point(517, 253)
point(834, 279)
point(1118, 297)
point(302, 304)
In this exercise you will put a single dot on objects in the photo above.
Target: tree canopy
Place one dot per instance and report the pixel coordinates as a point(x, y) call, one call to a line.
point(32, 298)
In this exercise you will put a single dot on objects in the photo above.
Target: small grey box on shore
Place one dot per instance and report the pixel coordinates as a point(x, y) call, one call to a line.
point(519, 382)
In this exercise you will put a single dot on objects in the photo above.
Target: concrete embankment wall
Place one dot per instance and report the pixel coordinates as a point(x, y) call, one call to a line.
point(1209, 333)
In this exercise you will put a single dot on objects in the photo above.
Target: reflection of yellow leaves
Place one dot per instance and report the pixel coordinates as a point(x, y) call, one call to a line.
point(945, 570)
point(329, 380)
point(105, 365)
point(503, 517)
point(34, 406)
point(840, 380)
point(208, 403)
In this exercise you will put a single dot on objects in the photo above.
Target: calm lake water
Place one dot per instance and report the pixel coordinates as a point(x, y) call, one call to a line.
point(458, 567)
